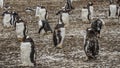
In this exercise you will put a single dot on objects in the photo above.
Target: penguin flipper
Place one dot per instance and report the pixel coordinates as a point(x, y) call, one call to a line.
point(55, 39)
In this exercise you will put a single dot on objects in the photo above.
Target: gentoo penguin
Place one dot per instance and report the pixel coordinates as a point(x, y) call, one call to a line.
point(97, 25)
point(29, 9)
point(68, 5)
point(59, 34)
point(6, 18)
point(1, 3)
point(20, 29)
point(84, 14)
point(112, 10)
point(90, 11)
point(14, 18)
point(43, 22)
point(27, 48)
point(64, 16)
point(91, 46)
point(41, 12)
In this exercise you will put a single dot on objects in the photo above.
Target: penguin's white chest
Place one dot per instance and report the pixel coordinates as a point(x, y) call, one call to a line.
point(113, 10)
point(25, 49)
point(91, 12)
point(20, 29)
point(65, 18)
point(25, 53)
point(1, 3)
point(62, 32)
point(37, 11)
point(6, 20)
point(84, 14)
point(42, 14)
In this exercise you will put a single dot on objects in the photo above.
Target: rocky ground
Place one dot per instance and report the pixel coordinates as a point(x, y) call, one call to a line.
point(72, 54)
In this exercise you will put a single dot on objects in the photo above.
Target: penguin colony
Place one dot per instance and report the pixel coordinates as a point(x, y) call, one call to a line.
point(91, 39)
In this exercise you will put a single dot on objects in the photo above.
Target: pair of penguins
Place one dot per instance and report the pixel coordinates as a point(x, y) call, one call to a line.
point(63, 21)
point(87, 12)
point(59, 30)
point(10, 18)
point(114, 10)
point(27, 46)
point(91, 42)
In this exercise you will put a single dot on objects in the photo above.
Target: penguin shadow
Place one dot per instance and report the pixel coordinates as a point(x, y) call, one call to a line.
point(85, 59)
point(20, 66)
point(89, 60)
point(48, 33)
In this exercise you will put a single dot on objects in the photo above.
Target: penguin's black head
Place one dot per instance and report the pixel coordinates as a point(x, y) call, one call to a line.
point(85, 7)
point(20, 20)
point(14, 12)
point(7, 12)
point(90, 3)
point(91, 33)
point(42, 6)
point(28, 39)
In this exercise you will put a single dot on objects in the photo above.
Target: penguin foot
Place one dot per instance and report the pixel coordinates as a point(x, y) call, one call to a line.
point(59, 46)
point(45, 34)
point(26, 64)
point(48, 32)
point(20, 39)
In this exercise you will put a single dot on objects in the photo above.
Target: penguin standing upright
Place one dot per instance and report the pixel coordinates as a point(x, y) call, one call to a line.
point(112, 11)
point(59, 34)
point(84, 14)
point(97, 25)
point(90, 11)
point(43, 22)
point(91, 46)
point(6, 18)
point(20, 29)
point(64, 16)
point(1, 3)
point(27, 48)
